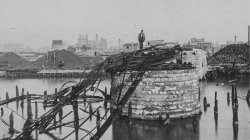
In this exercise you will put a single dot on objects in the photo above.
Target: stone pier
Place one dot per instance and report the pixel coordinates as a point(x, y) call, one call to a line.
point(173, 93)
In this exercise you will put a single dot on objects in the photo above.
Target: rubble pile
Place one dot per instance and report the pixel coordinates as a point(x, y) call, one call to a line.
point(235, 53)
point(54, 58)
point(13, 60)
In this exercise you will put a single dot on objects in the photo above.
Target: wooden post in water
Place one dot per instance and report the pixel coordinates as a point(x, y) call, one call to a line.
point(11, 127)
point(55, 100)
point(216, 106)
point(205, 104)
point(248, 96)
point(98, 118)
point(29, 109)
point(228, 98)
point(22, 102)
point(76, 117)
point(105, 97)
point(106, 93)
point(90, 110)
point(17, 91)
point(36, 110)
point(54, 121)
point(235, 97)
point(84, 98)
point(235, 115)
point(45, 98)
point(216, 112)
point(22, 91)
point(2, 112)
point(7, 96)
point(215, 95)
point(232, 98)
point(60, 118)
point(235, 122)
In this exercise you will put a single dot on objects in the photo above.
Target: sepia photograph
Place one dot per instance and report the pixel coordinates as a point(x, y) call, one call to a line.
point(124, 69)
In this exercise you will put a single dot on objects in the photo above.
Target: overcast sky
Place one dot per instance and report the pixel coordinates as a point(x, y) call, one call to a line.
point(37, 22)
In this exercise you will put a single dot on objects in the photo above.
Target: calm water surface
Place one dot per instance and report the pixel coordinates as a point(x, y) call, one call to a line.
point(207, 129)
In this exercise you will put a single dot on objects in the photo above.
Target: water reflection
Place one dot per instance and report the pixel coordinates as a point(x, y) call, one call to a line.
point(145, 130)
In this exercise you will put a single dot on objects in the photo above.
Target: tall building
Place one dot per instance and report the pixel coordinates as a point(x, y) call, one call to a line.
point(58, 45)
point(200, 44)
point(104, 43)
point(196, 40)
point(83, 43)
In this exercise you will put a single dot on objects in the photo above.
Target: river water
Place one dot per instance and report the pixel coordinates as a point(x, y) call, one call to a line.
point(208, 128)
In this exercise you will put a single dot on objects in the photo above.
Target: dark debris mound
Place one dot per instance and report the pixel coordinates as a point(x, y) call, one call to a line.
point(53, 58)
point(13, 60)
point(235, 53)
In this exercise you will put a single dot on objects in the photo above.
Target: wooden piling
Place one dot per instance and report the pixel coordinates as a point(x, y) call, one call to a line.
point(60, 115)
point(215, 95)
point(2, 112)
point(235, 96)
point(55, 100)
point(228, 98)
point(29, 109)
point(235, 116)
point(216, 106)
point(21, 104)
point(11, 125)
point(76, 117)
point(17, 91)
point(232, 96)
point(22, 91)
point(98, 123)
point(54, 121)
point(45, 98)
point(90, 110)
point(205, 103)
point(7, 96)
point(36, 110)
point(248, 95)
point(84, 98)
point(105, 96)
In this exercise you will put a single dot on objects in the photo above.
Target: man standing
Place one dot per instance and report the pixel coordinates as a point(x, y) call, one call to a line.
point(141, 39)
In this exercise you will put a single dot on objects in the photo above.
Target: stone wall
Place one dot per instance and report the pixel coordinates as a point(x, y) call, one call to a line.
point(198, 58)
point(161, 93)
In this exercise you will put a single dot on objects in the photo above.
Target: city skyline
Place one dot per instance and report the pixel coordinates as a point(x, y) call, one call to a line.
point(37, 23)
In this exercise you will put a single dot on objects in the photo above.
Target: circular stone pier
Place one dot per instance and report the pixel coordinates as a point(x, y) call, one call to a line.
point(173, 93)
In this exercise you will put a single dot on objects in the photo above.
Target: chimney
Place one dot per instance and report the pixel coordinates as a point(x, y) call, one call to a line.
point(249, 35)
point(96, 37)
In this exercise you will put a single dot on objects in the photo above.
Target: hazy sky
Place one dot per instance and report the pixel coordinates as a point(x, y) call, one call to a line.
point(37, 22)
